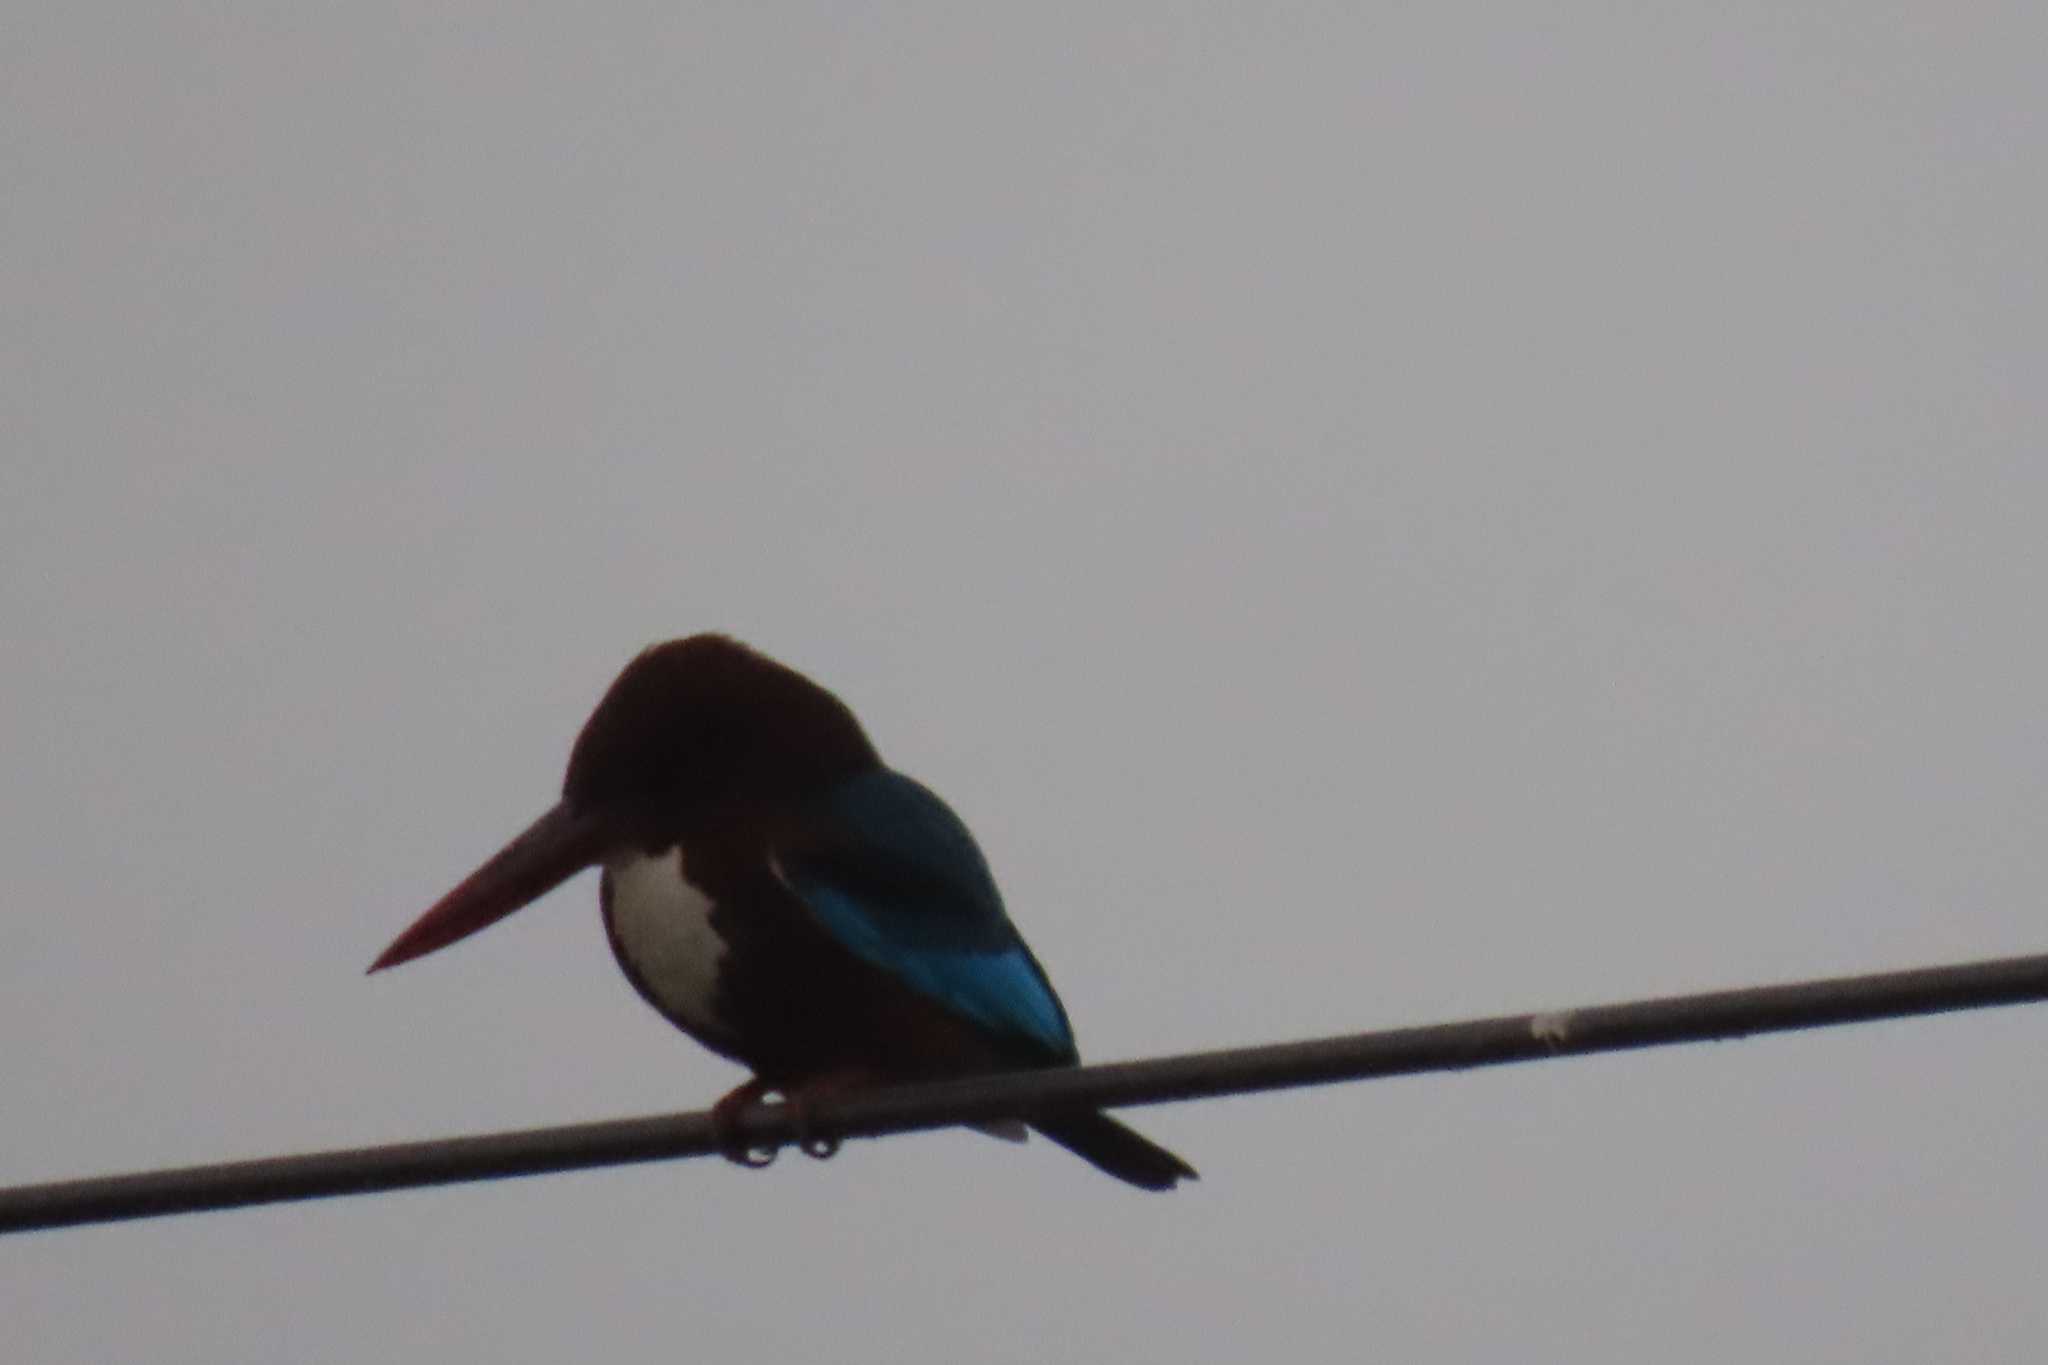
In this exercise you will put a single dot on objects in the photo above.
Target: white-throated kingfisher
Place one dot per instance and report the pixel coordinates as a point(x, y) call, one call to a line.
point(785, 899)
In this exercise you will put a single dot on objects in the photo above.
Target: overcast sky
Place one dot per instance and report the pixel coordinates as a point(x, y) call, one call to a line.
point(1375, 514)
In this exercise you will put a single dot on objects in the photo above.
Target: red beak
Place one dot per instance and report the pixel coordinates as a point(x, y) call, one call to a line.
point(553, 849)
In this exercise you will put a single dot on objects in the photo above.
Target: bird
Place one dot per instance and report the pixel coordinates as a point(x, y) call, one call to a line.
point(778, 893)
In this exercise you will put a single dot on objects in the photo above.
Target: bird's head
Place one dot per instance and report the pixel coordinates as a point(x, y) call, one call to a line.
point(692, 731)
point(701, 724)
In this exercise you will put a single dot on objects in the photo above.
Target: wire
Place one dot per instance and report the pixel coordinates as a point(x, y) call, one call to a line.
point(1201, 1075)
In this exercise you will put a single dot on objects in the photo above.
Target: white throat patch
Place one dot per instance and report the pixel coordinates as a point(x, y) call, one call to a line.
point(661, 929)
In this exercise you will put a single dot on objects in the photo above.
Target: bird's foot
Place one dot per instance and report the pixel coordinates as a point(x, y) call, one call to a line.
point(816, 1146)
point(830, 1086)
point(725, 1116)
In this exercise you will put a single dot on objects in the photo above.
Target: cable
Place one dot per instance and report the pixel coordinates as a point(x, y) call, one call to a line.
point(1436, 1047)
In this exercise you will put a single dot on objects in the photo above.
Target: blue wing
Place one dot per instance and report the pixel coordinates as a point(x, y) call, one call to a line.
point(893, 874)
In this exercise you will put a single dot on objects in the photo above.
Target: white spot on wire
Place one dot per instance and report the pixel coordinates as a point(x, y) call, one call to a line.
point(1552, 1029)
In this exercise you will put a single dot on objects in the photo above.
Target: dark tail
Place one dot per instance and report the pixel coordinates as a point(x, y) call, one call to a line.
point(1108, 1146)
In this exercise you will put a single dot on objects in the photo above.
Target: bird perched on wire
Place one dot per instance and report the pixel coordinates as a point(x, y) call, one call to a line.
point(784, 898)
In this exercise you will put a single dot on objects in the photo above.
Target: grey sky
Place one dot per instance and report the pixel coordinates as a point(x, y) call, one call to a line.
point(1373, 513)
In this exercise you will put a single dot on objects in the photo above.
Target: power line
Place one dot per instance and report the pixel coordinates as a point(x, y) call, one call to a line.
point(1200, 1075)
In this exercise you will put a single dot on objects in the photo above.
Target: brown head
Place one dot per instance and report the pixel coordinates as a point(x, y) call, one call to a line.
point(691, 730)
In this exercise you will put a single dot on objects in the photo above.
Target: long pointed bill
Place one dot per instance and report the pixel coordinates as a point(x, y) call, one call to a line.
point(554, 848)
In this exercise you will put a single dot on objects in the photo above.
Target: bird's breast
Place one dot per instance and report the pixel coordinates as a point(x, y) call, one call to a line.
point(663, 933)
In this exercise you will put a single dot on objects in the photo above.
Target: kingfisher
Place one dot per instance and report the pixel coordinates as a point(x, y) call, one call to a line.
point(779, 894)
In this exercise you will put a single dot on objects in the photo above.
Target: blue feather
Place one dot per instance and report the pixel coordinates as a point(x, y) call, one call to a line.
point(893, 874)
